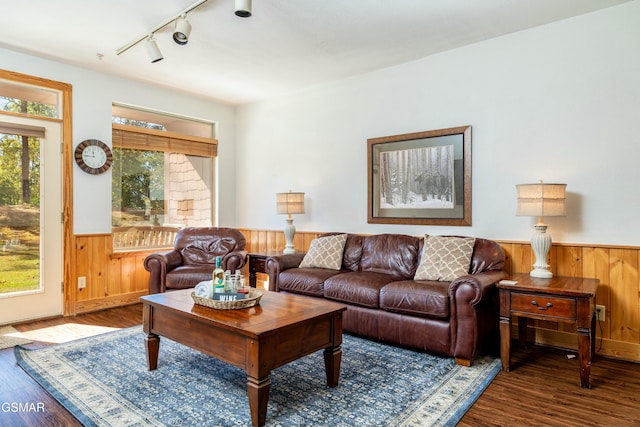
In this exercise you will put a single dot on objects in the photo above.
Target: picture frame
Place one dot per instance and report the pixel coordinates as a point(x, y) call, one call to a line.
point(421, 178)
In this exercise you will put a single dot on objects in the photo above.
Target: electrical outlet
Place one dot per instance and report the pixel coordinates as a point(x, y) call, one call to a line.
point(82, 282)
point(600, 313)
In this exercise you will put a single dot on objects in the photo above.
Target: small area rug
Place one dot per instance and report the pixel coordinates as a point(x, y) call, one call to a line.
point(10, 337)
point(104, 381)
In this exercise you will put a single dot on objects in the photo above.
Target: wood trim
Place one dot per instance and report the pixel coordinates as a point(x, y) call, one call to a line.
point(109, 302)
point(582, 245)
point(31, 116)
point(69, 255)
point(33, 80)
point(568, 341)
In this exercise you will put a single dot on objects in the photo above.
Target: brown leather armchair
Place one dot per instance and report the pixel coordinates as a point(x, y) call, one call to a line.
point(193, 257)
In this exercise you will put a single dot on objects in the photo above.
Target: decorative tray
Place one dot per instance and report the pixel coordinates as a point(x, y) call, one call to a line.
point(251, 299)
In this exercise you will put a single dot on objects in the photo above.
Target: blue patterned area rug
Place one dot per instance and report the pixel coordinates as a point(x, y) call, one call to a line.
point(104, 381)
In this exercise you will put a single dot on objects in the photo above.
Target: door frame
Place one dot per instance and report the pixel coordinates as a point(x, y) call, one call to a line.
point(65, 119)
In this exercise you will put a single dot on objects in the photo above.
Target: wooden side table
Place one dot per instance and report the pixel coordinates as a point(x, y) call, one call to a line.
point(257, 261)
point(559, 299)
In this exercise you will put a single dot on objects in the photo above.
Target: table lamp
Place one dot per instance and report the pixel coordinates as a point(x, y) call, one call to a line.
point(289, 203)
point(540, 200)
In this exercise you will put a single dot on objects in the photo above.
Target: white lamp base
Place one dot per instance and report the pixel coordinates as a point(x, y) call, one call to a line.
point(289, 232)
point(541, 243)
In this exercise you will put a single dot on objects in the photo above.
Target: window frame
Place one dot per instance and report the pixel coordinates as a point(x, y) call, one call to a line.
point(139, 138)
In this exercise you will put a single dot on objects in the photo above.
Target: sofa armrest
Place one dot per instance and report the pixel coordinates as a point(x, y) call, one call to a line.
point(235, 260)
point(277, 264)
point(474, 313)
point(482, 284)
point(158, 264)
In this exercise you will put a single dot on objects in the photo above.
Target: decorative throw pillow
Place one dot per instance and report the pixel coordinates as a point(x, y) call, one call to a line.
point(325, 252)
point(445, 258)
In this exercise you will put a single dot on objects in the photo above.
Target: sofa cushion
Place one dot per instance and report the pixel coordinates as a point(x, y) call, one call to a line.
point(393, 254)
point(445, 258)
point(416, 298)
point(304, 281)
point(352, 252)
point(325, 252)
point(201, 245)
point(359, 288)
point(487, 255)
point(187, 276)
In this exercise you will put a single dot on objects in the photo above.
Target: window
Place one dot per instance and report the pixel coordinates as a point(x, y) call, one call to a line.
point(161, 180)
point(19, 212)
point(29, 100)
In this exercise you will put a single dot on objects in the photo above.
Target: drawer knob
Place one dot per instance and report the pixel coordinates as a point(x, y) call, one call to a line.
point(546, 307)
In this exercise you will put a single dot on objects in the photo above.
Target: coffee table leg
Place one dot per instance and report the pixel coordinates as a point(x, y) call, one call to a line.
point(258, 391)
point(332, 360)
point(152, 342)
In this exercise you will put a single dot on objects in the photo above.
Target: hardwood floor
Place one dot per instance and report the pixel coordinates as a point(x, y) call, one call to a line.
point(18, 387)
point(542, 387)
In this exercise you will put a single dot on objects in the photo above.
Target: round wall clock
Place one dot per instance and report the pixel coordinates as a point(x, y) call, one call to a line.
point(93, 156)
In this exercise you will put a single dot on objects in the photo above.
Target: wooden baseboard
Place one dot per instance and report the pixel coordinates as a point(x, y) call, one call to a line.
point(109, 302)
point(569, 341)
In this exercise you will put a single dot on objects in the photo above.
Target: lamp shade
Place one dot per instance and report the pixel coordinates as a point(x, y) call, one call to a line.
point(541, 199)
point(290, 203)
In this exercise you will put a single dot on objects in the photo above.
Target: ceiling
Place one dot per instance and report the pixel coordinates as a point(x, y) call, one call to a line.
point(285, 46)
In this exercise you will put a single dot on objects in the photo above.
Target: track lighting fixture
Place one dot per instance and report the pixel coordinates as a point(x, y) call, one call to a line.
point(243, 8)
point(152, 49)
point(182, 30)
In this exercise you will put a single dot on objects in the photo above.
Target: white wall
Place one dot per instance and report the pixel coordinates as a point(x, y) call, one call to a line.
point(559, 103)
point(93, 94)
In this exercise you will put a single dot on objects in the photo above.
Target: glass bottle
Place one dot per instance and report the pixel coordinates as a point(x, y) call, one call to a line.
point(218, 273)
point(236, 280)
point(228, 285)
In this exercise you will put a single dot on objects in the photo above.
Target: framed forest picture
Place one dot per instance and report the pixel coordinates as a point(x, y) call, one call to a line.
point(420, 178)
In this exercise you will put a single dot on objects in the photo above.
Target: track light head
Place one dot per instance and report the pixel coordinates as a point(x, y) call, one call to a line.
point(243, 8)
point(182, 30)
point(152, 49)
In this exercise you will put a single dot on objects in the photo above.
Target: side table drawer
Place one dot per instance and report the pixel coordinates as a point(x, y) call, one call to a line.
point(258, 264)
point(544, 306)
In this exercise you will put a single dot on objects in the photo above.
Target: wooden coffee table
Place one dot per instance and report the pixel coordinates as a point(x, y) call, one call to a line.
point(281, 329)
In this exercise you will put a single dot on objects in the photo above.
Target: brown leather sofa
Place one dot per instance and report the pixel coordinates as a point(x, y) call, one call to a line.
point(458, 318)
point(193, 257)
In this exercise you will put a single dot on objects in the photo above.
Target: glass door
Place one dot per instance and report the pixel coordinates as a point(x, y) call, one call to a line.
point(31, 244)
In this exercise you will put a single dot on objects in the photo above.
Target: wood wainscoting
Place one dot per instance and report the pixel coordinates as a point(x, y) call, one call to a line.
point(617, 269)
point(119, 278)
point(113, 278)
point(615, 266)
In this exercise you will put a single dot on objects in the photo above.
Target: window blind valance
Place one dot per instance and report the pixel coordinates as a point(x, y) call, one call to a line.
point(18, 129)
point(155, 140)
